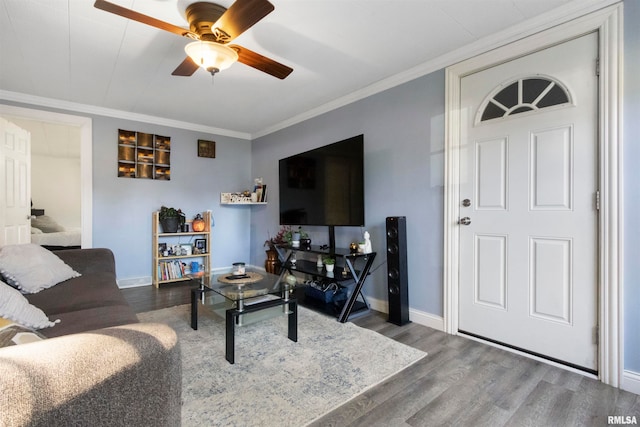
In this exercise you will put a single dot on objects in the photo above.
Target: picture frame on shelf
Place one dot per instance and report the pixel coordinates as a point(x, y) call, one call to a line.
point(162, 249)
point(186, 249)
point(200, 246)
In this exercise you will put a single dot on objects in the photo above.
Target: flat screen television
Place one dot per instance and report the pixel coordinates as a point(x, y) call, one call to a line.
point(324, 186)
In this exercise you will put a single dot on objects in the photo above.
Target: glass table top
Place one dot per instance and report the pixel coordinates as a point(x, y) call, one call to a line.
point(223, 291)
point(252, 284)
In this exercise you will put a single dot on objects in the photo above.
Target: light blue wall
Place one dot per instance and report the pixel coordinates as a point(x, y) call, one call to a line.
point(403, 132)
point(122, 207)
point(631, 135)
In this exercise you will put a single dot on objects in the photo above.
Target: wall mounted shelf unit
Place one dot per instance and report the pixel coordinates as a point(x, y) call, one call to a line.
point(143, 155)
point(238, 199)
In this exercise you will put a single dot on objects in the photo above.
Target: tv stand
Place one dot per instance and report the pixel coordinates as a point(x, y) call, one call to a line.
point(346, 275)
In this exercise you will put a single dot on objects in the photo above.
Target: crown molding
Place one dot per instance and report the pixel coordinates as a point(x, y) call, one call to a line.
point(118, 114)
point(545, 21)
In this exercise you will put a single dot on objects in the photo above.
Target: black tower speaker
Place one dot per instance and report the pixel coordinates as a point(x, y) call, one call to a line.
point(398, 287)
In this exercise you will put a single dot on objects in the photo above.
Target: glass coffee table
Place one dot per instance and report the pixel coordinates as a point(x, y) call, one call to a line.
point(242, 295)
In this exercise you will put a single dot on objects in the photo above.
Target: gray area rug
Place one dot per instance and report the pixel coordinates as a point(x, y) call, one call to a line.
point(275, 381)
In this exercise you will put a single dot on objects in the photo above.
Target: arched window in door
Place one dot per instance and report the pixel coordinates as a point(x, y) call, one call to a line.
point(523, 95)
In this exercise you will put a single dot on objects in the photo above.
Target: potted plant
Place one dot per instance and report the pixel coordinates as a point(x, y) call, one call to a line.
point(286, 235)
point(297, 238)
point(171, 219)
point(329, 263)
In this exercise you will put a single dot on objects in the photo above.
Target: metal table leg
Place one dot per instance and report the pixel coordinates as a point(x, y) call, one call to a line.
point(232, 314)
point(195, 294)
point(230, 335)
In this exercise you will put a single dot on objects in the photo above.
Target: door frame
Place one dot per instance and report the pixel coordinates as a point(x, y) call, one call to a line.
point(608, 23)
point(86, 158)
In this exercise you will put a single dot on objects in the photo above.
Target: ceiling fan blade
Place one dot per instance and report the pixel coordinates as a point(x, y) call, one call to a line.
point(139, 17)
point(186, 68)
point(241, 16)
point(261, 63)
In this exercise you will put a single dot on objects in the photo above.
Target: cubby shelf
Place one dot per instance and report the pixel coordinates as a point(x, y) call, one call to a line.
point(143, 155)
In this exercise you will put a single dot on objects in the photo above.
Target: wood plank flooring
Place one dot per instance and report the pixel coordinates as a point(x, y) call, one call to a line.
point(460, 383)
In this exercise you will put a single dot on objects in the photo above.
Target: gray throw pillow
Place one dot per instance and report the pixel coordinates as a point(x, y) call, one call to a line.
point(32, 268)
point(46, 224)
point(14, 306)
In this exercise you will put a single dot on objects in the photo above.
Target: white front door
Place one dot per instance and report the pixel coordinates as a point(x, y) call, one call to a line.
point(528, 190)
point(15, 181)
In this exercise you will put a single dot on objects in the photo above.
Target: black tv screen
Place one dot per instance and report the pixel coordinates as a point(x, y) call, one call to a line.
point(324, 186)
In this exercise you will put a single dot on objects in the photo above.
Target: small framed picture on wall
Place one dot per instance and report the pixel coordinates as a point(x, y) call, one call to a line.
point(206, 148)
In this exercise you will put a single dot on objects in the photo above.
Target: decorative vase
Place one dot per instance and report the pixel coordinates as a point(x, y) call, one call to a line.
point(272, 263)
point(295, 240)
point(170, 225)
point(198, 223)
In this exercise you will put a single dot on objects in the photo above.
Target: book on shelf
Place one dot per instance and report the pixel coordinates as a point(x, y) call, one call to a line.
point(263, 197)
point(170, 270)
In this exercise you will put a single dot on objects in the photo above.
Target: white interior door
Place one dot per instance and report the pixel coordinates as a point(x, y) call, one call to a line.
point(15, 181)
point(528, 187)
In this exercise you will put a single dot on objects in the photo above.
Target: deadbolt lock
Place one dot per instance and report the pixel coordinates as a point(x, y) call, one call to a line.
point(466, 203)
point(464, 221)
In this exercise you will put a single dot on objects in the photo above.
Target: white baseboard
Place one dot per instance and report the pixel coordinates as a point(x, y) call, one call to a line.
point(426, 319)
point(631, 381)
point(417, 316)
point(134, 282)
point(378, 305)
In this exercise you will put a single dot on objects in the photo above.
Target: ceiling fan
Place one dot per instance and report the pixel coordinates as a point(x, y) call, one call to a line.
point(212, 27)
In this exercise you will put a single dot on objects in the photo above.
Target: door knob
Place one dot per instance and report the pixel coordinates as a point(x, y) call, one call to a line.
point(464, 221)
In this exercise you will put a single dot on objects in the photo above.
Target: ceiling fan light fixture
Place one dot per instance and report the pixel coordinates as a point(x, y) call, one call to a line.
point(211, 56)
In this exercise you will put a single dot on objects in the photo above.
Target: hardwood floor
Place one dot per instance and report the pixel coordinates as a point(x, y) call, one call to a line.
point(460, 383)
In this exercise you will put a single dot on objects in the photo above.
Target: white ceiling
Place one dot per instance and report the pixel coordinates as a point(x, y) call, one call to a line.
point(340, 50)
point(51, 139)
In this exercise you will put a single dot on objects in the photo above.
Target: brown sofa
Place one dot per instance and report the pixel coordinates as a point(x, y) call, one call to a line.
point(101, 367)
